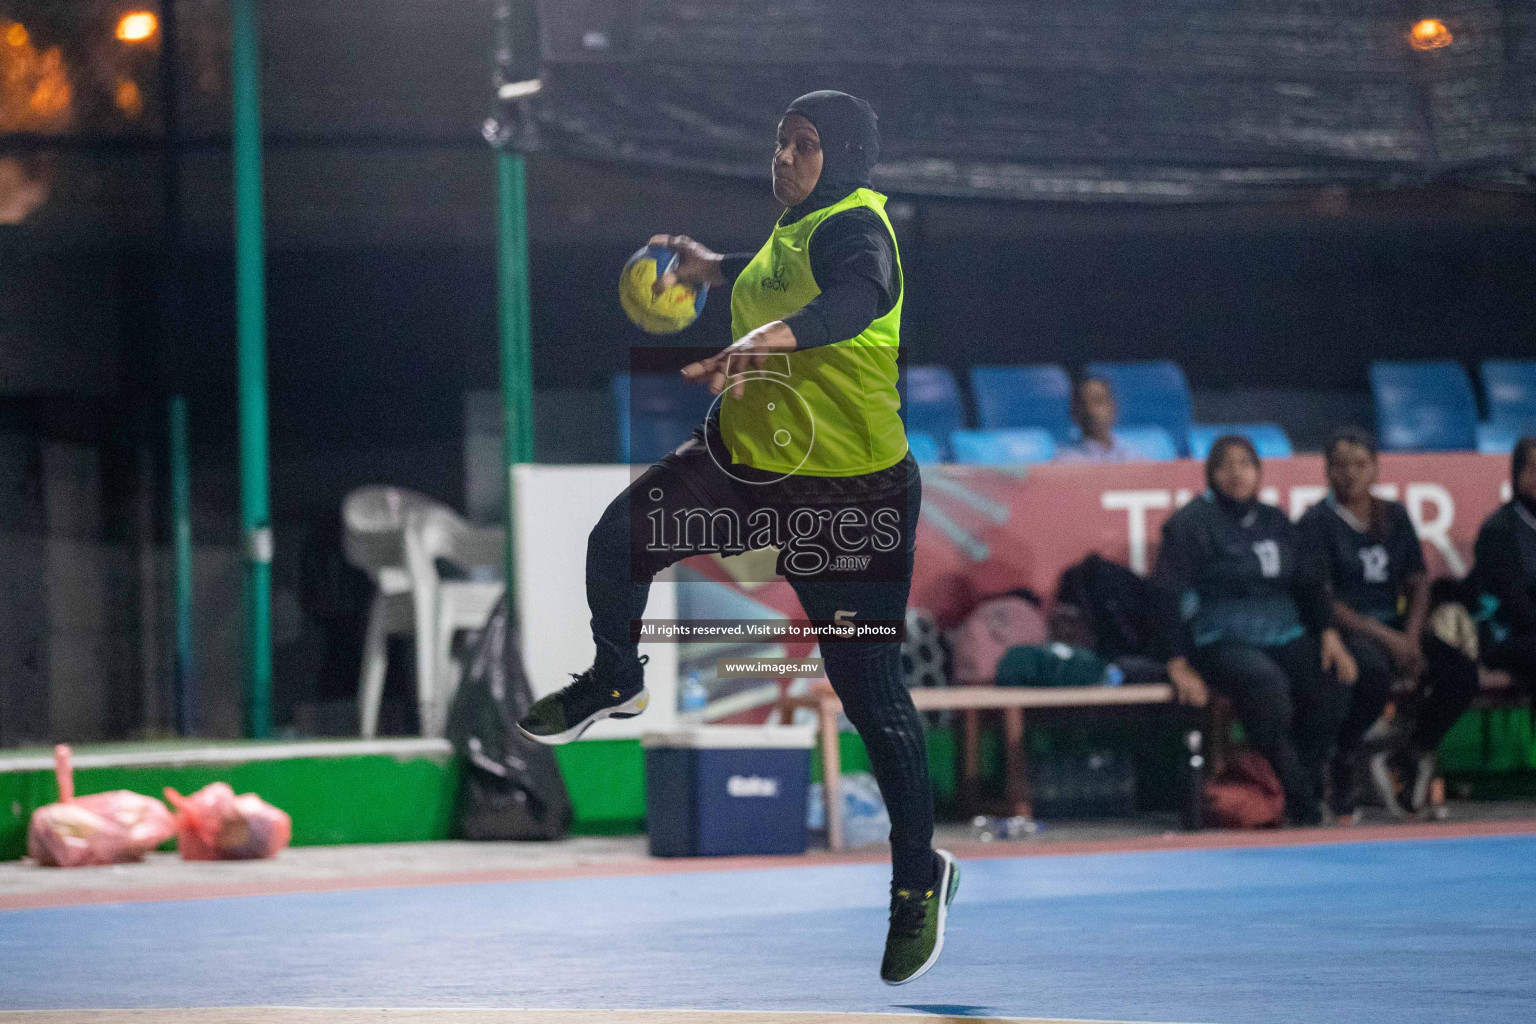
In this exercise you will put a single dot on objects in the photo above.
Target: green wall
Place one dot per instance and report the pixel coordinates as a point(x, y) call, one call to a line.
point(364, 799)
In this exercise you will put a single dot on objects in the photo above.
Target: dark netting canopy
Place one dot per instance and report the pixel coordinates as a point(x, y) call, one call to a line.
point(1141, 100)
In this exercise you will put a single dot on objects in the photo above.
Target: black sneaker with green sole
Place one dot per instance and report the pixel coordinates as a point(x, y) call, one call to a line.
point(916, 937)
point(565, 714)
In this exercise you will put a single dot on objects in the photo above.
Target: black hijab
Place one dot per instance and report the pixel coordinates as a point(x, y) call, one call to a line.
point(1219, 447)
point(850, 145)
point(1522, 454)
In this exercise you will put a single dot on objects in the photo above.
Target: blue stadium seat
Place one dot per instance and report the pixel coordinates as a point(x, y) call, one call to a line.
point(1151, 443)
point(656, 413)
point(1509, 386)
point(932, 403)
point(1002, 447)
point(1424, 406)
point(1500, 438)
point(1269, 439)
point(1024, 396)
point(1150, 393)
point(923, 447)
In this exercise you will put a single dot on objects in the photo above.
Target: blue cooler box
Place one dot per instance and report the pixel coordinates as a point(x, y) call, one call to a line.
point(722, 790)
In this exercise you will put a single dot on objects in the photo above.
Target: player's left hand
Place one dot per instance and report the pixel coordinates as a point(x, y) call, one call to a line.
point(697, 264)
point(751, 352)
point(1336, 658)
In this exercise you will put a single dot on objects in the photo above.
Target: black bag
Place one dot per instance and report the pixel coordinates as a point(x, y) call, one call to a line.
point(1120, 606)
point(511, 786)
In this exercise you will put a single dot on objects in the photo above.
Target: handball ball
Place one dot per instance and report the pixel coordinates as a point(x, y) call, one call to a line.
point(667, 313)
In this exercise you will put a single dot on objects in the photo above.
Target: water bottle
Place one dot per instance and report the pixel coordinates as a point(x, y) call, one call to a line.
point(1114, 675)
point(989, 829)
point(695, 696)
point(1192, 813)
point(1019, 827)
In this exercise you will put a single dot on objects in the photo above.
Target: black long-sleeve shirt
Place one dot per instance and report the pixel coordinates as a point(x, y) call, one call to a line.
point(1505, 559)
point(853, 259)
point(1244, 578)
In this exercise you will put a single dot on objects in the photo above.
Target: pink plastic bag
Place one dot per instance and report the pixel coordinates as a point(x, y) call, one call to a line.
point(103, 828)
point(995, 625)
point(215, 824)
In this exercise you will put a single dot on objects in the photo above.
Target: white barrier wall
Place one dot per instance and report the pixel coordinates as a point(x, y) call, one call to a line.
point(556, 507)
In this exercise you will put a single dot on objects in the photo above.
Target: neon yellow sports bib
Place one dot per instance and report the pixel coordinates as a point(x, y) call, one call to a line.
point(828, 411)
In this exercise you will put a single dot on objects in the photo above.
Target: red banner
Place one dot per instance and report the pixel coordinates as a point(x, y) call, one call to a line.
point(985, 529)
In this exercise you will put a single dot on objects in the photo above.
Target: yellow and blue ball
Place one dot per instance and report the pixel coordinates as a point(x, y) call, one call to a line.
point(667, 313)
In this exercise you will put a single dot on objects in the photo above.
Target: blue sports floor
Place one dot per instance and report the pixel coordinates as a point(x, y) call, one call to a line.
point(1402, 931)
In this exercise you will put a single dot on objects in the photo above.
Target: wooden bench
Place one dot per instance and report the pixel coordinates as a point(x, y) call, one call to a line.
point(970, 702)
point(1498, 690)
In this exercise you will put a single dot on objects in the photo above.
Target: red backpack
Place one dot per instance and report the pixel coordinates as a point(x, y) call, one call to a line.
point(993, 626)
point(1247, 795)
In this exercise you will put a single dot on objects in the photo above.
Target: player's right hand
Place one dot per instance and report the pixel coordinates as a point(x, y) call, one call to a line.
point(750, 352)
point(696, 264)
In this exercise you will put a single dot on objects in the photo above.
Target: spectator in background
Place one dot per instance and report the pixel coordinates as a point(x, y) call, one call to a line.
point(1505, 555)
point(1245, 614)
point(1380, 591)
point(1094, 412)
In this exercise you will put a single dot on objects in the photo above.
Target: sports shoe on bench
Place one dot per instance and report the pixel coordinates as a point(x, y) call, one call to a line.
point(916, 937)
point(567, 713)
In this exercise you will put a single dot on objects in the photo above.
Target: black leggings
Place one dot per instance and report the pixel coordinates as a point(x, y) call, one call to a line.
point(1290, 708)
point(1448, 688)
point(867, 676)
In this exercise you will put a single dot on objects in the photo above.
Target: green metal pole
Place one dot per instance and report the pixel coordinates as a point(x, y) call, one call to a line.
point(516, 335)
point(181, 522)
point(251, 325)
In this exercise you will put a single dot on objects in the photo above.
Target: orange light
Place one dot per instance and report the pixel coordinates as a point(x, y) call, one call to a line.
point(137, 26)
point(1430, 34)
point(53, 94)
point(16, 34)
point(128, 98)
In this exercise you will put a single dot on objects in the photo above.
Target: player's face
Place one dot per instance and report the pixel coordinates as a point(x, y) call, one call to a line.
point(1236, 476)
point(796, 160)
point(1351, 471)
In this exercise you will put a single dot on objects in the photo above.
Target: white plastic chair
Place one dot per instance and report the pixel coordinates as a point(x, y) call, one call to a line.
point(397, 536)
point(442, 607)
point(373, 519)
